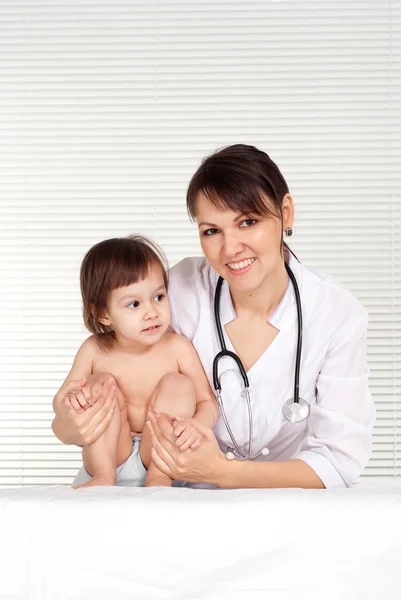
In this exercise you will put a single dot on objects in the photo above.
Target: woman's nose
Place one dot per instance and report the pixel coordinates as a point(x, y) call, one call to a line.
point(232, 246)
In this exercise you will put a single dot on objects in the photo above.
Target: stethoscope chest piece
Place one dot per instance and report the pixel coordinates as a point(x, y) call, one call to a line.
point(295, 412)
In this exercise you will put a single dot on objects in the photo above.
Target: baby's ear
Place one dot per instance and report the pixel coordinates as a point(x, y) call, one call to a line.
point(104, 319)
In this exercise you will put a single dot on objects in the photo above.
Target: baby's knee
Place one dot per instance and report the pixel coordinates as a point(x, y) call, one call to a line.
point(175, 384)
point(175, 393)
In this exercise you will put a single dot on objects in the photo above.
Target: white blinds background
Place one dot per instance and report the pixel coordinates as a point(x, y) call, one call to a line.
point(106, 110)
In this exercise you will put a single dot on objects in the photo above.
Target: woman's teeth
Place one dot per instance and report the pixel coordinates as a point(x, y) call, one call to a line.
point(242, 264)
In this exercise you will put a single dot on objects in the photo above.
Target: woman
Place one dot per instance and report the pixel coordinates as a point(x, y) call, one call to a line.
point(242, 206)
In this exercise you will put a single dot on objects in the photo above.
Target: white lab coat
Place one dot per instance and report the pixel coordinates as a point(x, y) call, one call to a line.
point(336, 439)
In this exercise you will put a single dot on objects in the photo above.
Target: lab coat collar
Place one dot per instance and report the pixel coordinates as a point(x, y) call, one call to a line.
point(285, 314)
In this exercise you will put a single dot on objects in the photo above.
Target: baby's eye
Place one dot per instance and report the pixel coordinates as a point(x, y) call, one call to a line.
point(159, 297)
point(249, 222)
point(134, 304)
point(209, 231)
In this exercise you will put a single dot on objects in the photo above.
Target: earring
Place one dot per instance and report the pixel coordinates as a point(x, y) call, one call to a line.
point(288, 232)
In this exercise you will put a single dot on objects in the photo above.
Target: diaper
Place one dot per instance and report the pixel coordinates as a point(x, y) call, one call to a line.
point(132, 472)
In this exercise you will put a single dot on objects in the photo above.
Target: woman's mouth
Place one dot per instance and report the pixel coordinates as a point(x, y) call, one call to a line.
point(241, 266)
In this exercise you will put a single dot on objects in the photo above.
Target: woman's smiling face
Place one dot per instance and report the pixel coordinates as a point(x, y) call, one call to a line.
point(243, 248)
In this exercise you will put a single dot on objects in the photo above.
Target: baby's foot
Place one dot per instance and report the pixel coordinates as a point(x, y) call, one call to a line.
point(97, 481)
point(158, 480)
point(155, 477)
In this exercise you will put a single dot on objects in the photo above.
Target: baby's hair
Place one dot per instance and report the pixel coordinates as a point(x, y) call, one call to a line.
point(111, 264)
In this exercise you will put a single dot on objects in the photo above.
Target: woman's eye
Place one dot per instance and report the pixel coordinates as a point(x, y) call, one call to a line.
point(134, 304)
point(159, 297)
point(210, 231)
point(249, 222)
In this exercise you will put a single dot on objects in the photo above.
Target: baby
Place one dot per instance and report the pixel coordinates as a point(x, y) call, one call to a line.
point(124, 291)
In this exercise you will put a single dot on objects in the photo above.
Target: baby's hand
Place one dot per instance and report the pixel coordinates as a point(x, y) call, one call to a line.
point(81, 398)
point(187, 435)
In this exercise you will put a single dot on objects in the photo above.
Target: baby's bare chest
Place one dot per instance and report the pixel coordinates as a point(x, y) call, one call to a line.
point(137, 378)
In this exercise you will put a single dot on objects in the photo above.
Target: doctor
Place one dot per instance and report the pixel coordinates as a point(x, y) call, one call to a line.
point(242, 206)
point(300, 414)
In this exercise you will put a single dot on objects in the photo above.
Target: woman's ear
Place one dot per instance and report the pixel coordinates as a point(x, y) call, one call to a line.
point(287, 208)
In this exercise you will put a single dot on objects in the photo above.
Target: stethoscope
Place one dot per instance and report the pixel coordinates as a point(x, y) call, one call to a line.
point(294, 409)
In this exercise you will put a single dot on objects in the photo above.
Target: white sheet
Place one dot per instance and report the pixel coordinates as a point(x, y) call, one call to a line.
point(136, 543)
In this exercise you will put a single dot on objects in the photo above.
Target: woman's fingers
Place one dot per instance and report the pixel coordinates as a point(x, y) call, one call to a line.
point(105, 401)
point(160, 464)
point(100, 415)
point(97, 418)
point(159, 438)
point(101, 391)
point(160, 456)
point(97, 389)
point(105, 417)
point(163, 430)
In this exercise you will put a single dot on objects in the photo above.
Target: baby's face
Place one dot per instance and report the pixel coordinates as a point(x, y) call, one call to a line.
point(140, 313)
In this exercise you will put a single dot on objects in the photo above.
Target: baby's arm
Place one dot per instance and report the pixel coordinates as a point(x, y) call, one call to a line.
point(190, 365)
point(80, 397)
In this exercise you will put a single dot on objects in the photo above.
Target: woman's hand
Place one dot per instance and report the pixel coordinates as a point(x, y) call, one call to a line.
point(84, 426)
point(205, 464)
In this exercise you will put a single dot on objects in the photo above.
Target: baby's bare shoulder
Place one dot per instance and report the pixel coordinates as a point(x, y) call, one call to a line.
point(176, 342)
point(101, 355)
point(90, 346)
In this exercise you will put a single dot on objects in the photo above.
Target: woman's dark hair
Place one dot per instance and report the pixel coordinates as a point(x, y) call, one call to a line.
point(236, 178)
point(109, 265)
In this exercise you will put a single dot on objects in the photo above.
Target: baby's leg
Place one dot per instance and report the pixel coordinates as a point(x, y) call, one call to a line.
point(102, 458)
point(174, 396)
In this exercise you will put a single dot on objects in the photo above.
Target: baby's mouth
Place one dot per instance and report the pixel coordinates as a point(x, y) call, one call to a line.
point(151, 328)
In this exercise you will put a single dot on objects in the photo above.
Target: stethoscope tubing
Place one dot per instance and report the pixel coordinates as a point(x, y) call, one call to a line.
point(224, 352)
point(300, 332)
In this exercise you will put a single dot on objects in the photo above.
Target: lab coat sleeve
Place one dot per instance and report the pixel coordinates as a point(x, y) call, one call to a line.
point(341, 420)
point(184, 296)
